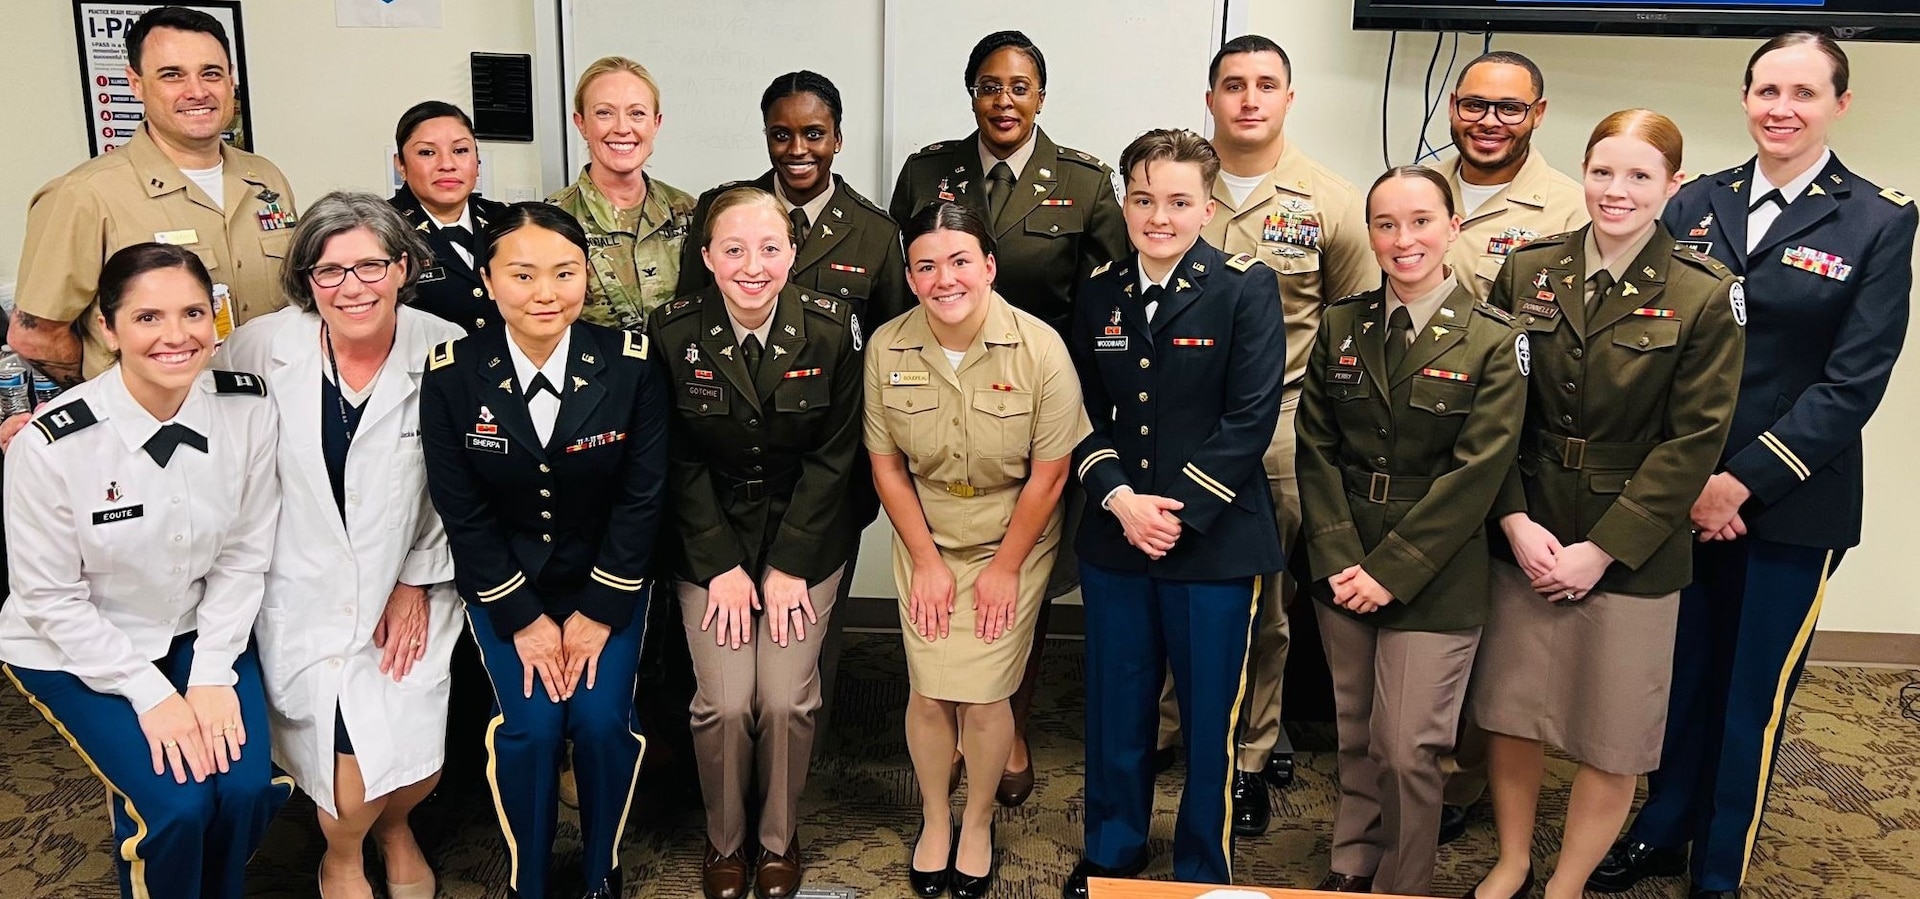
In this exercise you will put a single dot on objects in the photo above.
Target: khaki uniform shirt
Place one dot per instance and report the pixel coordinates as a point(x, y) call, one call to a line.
point(635, 252)
point(134, 195)
point(970, 437)
point(1540, 201)
point(1309, 226)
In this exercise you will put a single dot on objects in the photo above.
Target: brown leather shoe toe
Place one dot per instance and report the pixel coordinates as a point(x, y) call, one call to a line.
point(779, 876)
point(724, 876)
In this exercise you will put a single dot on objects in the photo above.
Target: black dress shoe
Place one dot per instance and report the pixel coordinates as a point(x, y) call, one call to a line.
point(1252, 808)
point(1076, 886)
point(1162, 759)
point(1525, 890)
point(1279, 770)
point(607, 888)
point(929, 884)
point(1713, 894)
point(1453, 823)
point(971, 886)
point(1345, 883)
point(1628, 863)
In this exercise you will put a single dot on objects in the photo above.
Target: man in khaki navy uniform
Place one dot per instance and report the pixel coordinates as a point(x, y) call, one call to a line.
point(1507, 194)
point(174, 183)
point(1308, 225)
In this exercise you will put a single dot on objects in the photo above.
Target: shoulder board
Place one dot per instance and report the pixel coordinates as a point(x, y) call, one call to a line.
point(669, 310)
point(1896, 197)
point(1103, 267)
point(1349, 299)
point(59, 422)
point(1493, 312)
point(1702, 260)
point(1242, 262)
point(930, 148)
point(1550, 238)
point(440, 356)
point(822, 305)
point(635, 344)
point(1071, 155)
point(239, 382)
point(861, 201)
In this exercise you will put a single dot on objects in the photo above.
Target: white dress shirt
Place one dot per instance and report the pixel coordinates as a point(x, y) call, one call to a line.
point(464, 221)
point(1762, 218)
point(113, 556)
point(543, 408)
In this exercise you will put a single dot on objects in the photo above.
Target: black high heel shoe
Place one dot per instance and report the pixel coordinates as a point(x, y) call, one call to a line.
point(1525, 890)
point(930, 884)
point(968, 886)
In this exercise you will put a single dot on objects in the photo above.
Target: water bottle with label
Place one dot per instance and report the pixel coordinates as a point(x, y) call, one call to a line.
point(16, 394)
point(44, 390)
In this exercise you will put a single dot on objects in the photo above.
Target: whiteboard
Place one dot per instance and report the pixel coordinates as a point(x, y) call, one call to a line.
point(1115, 68)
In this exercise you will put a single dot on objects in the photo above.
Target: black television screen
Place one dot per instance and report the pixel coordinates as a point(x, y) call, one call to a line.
point(1887, 20)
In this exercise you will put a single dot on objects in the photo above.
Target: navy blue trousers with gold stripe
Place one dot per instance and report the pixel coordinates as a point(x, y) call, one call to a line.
point(1137, 628)
point(525, 740)
point(1745, 624)
point(169, 839)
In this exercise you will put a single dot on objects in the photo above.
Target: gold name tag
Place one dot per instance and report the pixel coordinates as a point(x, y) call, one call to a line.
point(908, 378)
point(178, 238)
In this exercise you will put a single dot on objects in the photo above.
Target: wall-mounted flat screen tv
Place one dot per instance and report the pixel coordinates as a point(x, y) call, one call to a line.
point(1886, 20)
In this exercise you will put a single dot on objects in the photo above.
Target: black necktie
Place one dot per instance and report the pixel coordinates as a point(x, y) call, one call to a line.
point(1399, 328)
point(1150, 299)
point(460, 236)
point(538, 384)
point(999, 187)
point(1772, 196)
point(171, 437)
point(1602, 283)
point(750, 354)
point(798, 217)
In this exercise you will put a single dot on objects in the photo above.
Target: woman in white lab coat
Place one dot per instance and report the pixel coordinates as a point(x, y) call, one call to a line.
point(359, 619)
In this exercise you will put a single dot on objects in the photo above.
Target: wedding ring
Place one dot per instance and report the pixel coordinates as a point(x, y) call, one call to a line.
point(171, 745)
point(414, 642)
point(229, 729)
point(1569, 595)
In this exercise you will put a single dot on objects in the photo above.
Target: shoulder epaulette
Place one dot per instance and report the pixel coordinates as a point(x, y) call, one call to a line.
point(59, 422)
point(239, 382)
point(1349, 299)
point(1103, 267)
point(440, 356)
point(669, 310)
point(1896, 197)
point(869, 205)
point(1242, 262)
point(1716, 267)
point(822, 305)
point(630, 347)
point(930, 148)
point(1552, 238)
point(1071, 155)
point(1493, 312)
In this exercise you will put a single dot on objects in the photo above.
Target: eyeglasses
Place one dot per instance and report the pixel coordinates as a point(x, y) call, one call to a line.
point(372, 271)
point(1508, 112)
point(988, 90)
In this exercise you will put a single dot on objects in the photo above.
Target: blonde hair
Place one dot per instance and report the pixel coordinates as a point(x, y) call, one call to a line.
point(609, 65)
point(1656, 130)
point(738, 198)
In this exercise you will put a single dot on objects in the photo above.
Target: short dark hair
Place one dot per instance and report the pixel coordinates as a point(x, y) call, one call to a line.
point(1842, 70)
point(946, 215)
point(1507, 58)
point(132, 261)
point(1001, 40)
point(178, 18)
point(802, 82)
point(424, 112)
point(1414, 173)
point(1171, 145)
point(535, 214)
point(1247, 43)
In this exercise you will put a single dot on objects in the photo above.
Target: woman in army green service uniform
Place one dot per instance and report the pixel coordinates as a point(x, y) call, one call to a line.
point(635, 223)
point(1407, 427)
point(766, 427)
point(1054, 216)
point(1637, 346)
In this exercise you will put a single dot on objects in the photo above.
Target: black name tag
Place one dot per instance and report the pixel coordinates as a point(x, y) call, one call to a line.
point(1110, 344)
point(1537, 308)
point(125, 513)
point(431, 275)
point(1345, 375)
point(487, 444)
point(1703, 247)
point(700, 391)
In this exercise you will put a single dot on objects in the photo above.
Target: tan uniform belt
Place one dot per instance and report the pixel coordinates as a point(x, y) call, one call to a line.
point(1572, 452)
point(1380, 487)
point(959, 488)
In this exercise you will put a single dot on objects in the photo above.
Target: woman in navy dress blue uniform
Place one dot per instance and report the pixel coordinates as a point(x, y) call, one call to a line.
point(436, 153)
point(140, 513)
point(1827, 257)
point(546, 458)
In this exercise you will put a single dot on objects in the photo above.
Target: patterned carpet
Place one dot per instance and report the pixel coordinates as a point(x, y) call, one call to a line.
point(1844, 820)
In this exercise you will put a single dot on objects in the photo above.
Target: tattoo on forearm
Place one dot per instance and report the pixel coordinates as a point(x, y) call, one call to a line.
point(57, 349)
point(65, 374)
point(28, 322)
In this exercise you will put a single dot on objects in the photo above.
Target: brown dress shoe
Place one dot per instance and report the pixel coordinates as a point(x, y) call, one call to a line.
point(1015, 786)
point(724, 876)
point(1345, 883)
point(779, 876)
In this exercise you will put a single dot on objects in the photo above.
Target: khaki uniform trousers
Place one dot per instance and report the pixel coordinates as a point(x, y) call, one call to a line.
point(753, 719)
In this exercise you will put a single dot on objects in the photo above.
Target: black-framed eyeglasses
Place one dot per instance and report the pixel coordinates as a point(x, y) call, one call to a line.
point(372, 271)
point(988, 90)
point(1507, 112)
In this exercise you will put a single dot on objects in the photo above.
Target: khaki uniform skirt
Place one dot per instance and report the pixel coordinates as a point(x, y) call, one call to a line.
point(1590, 677)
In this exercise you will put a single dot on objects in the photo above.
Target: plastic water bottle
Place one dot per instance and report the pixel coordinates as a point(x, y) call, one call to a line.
point(16, 395)
point(44, 390)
